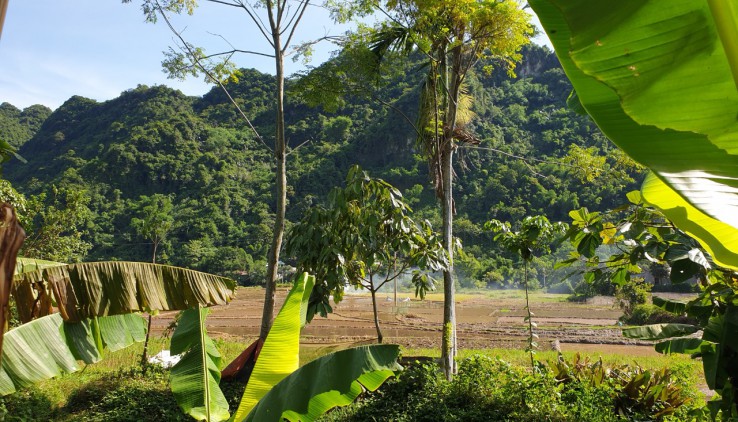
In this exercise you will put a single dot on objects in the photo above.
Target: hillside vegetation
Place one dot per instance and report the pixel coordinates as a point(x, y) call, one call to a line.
point(153, 148)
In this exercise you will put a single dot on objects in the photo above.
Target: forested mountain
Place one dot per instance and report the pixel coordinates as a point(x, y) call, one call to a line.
point(18, 126)
point(154, 147)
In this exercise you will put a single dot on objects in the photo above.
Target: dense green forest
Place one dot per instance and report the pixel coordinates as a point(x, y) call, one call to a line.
point(105, 169)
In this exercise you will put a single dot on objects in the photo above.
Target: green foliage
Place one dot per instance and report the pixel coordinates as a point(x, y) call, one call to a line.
point(633, 294)
point(18, 126)
point(154, 140)
point(156, 220)
point(635, 392)
point(647, 314)
point(364, 237)
point(55, 224)
point(486, 389)
point(535, 235)
point(681, 134)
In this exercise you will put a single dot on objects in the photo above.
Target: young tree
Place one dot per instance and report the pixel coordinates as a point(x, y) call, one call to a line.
point(156, 220)
point(535, 235)
point(363, 237)
point(453, 36)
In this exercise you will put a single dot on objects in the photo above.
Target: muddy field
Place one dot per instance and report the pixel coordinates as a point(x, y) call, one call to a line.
point(484, 321)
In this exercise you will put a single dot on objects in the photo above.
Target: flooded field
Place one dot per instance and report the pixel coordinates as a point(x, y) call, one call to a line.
point(485, 320)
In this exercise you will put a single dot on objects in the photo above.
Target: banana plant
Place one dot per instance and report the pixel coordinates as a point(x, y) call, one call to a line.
point(97, 305)
point(278, 387)
point(659, 78)
point(278, 390)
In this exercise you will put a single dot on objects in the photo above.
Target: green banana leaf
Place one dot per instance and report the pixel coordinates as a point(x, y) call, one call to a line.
point(681, 345)
point(660, 331)
point(655, 77)
point(194, 379)
point(26, 265)
point(332, 380)
point(279, 356)
point(48, 346)
point(92, 289)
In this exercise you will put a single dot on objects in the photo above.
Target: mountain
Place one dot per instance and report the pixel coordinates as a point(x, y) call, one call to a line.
point(535, 157)
point(18, 126)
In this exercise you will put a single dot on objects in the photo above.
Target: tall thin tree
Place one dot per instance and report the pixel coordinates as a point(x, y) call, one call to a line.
point(278, 28)
point(454, 36)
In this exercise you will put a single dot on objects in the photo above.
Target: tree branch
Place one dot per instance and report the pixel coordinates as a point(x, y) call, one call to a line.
point(209, 74)
point(299, 13)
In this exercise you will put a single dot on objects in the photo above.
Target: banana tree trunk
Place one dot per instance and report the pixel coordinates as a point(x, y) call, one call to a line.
point(11, 240)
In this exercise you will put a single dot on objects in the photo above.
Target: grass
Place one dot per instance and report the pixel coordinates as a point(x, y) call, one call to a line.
point(115, 390)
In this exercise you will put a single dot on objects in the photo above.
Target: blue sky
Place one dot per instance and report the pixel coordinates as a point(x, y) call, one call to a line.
point(53, 49)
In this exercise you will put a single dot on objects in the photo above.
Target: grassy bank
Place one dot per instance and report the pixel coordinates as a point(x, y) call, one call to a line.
point(115, 389)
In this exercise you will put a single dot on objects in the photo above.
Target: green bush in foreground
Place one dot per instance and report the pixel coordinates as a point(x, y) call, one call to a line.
point(489, 390)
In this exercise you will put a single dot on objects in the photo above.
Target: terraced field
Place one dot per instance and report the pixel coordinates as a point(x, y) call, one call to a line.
point(485, 320)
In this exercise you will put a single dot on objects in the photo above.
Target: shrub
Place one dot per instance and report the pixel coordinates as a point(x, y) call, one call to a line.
point(647, 314)
point(489, 390)
point(562, 288)
point(631, 294)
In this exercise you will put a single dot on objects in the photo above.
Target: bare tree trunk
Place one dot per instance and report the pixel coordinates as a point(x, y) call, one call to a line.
point(145, 353)
point(11, 240)
point(376, 315)
point(448, 341)
point(280, 155)
point(448, 348)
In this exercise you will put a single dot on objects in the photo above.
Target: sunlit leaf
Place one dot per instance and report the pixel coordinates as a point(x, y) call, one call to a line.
point(195, 377)
point(279, 356)
point(656, 79)
point(48, 346)
point(329, 381)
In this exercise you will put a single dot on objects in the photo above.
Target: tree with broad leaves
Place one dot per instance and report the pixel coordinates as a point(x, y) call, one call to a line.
point(363, 237)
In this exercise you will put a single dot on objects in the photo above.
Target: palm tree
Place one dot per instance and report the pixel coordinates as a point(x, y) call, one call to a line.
point(453, 36)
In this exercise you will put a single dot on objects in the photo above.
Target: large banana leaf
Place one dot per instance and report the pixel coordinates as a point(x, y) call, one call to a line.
point(92, 289)
point(655, 77)
point(330, 381)
point(195, 377)
point(279, 356)
point(46, 347)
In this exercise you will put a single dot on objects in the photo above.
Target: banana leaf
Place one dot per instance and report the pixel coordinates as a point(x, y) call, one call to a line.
point(47, 347)
point(329, 381)
point(92, 289)
point(26, 265)
point(279, 356)
point(194, 379)
point(660, 331)
point(656, 78)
